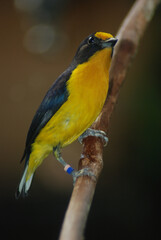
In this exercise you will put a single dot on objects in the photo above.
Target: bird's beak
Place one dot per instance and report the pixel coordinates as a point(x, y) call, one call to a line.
point(109, 42)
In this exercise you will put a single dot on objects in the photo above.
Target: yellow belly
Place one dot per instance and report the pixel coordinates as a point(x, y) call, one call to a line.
point(74, 117)
point(87, 87)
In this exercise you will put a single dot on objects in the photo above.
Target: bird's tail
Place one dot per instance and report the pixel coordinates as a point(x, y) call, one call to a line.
point(24, 183)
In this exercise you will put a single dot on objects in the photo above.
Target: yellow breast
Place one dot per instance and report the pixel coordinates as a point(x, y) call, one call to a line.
point(87, 87)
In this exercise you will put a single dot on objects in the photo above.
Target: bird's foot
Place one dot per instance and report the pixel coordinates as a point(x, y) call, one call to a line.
point(77, 174)
point(82, 172)
point(94, 133)
point(67, 168)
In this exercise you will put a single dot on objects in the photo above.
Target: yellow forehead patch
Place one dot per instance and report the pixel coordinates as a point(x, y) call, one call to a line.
point(103, 35)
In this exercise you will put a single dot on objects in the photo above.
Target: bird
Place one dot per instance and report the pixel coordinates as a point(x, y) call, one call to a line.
point(69, 107)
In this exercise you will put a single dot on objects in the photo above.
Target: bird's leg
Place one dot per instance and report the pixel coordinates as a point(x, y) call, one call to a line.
point(69, 169)
point(94, 133)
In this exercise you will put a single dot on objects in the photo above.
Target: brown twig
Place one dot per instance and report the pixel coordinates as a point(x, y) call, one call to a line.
point(129, 36)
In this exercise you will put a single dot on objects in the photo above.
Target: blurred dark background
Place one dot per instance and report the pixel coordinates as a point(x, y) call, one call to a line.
point(38, 39)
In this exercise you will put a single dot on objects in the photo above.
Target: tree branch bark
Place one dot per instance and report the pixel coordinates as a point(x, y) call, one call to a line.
point(129, 36)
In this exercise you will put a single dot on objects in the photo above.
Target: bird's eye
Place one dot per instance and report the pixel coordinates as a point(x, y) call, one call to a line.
point(91, 40)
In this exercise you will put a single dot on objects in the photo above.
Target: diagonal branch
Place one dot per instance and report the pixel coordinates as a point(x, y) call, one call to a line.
point(129, 36)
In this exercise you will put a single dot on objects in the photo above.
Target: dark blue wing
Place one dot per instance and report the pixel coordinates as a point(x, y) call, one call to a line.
point(53, 100)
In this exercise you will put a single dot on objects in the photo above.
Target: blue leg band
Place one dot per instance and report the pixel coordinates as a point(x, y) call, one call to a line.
point(70, 170)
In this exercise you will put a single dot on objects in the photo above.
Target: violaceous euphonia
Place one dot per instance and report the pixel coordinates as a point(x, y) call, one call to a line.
point(70, 106)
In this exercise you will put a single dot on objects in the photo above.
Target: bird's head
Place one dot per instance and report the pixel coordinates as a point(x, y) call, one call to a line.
point(93, 43)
